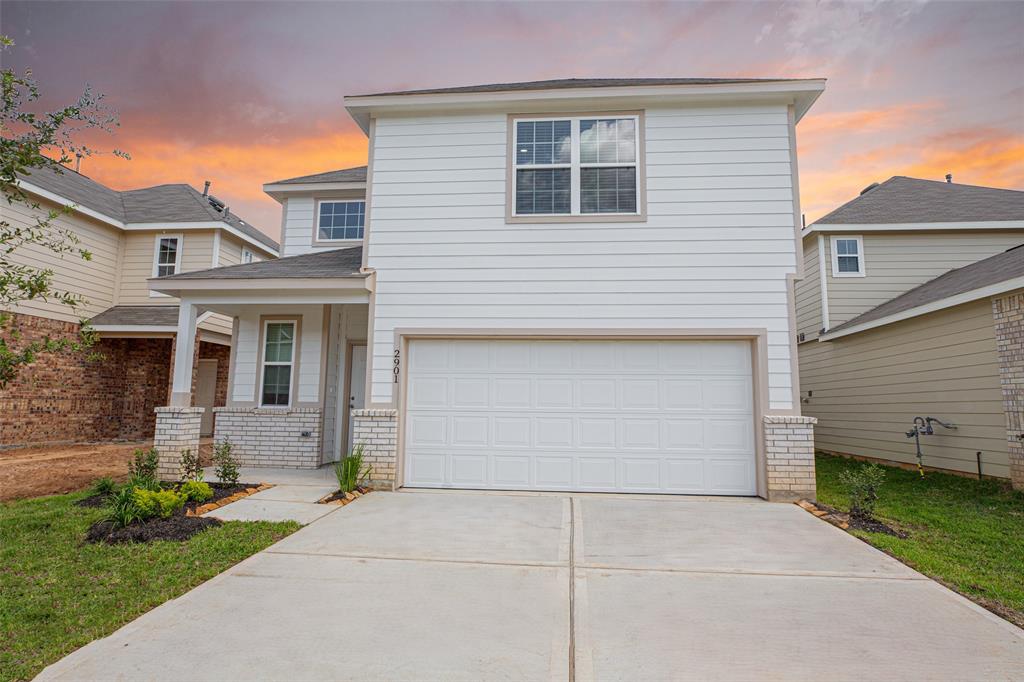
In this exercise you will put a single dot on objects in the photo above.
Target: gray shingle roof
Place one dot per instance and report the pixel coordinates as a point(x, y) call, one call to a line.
point(317, 265)
point(566, 83)
point(176, 203)
point(357, 174)
point(999, 268)
point(910, 200)
point(149, 315)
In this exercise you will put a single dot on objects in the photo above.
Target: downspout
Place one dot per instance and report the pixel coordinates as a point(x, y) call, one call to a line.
point(823, 279)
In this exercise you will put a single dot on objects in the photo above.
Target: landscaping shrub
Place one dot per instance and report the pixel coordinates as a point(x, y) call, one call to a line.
point(350, 470)
point(196, 491)
point(225, 463)
point(103, 486)
point(122, 508)
point(144, 464)
point(162, 504)
point(861, 486)
point(191, 469)
point(144, 482)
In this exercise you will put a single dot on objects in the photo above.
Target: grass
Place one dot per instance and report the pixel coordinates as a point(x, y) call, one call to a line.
point(57, 594)
point(966, 533)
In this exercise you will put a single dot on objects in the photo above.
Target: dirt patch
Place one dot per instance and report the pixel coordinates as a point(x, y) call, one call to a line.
point(338, 497)
point(846, 522)
point(54, 470)
point(178, 527)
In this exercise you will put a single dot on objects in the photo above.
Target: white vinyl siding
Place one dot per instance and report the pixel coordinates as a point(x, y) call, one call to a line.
point(300, 218)
point(714, 251)
point(866, 389)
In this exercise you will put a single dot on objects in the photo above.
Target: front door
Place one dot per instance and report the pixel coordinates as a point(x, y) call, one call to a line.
point(206, 394)
point(357, 386)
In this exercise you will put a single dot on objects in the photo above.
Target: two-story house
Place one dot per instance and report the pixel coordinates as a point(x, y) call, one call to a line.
point(911, 307)
point(557, 285)
point(133, 235)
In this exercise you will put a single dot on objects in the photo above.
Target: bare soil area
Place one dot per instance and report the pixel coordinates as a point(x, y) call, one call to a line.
point(57, 469)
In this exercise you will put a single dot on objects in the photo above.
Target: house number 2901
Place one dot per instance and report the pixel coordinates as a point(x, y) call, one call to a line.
point(398, 365)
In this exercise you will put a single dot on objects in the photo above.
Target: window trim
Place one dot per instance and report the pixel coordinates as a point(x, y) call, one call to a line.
point(641, 174)
point(316, 220)
point(861, 267)
point(156, 257)
point(266, 321)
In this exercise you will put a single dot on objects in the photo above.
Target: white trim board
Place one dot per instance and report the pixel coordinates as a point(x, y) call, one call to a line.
point(913, 227)
point(941, 304)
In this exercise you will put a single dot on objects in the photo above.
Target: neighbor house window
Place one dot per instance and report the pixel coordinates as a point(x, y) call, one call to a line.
point(847, 257)
point(167, 255)
point(576, 166)
point(278, 362)
point(247, 256)
point(339, 220)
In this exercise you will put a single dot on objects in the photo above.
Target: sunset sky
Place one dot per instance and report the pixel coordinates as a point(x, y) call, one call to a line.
point(243, 93)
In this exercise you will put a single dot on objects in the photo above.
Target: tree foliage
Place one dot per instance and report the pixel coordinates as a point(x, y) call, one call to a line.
point(38, 141)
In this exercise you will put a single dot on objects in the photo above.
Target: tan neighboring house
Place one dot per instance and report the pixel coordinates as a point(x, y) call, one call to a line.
point(133, 235)
point(911, 306)
point(579, 284)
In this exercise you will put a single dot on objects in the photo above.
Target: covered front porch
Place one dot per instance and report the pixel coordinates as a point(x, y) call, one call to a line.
point(298, 359)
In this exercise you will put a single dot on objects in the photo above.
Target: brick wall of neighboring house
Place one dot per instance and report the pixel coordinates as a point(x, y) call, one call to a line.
point(1008, 314)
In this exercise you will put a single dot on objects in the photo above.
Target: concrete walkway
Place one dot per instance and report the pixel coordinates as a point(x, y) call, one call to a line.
point(293, 497)
point(466, 586)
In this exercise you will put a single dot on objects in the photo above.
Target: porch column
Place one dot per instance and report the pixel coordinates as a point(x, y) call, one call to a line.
point(184, 352)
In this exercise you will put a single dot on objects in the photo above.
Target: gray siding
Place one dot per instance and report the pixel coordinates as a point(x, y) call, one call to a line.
point(808, 292)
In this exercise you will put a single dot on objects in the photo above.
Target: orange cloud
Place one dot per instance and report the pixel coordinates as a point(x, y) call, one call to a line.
point(818, 129)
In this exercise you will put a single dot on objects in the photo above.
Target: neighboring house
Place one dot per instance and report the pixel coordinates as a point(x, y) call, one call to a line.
point(558, 285)
point(911, 306)
point(133, 235)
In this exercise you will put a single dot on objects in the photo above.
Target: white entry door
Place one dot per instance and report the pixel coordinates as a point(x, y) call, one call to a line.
point(206, 393)
point(618, 416)
point(357, 388)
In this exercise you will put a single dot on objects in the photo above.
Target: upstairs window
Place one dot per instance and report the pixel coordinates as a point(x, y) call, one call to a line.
point(577, 166)
point(167, 255)
point(278, 361)
point(340, 220)
point(247, 256)
point(848, 257)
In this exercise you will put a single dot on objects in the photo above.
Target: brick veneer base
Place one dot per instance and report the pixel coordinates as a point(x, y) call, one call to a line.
point(1008, 318)
point(271, 437)
point(177, 429)
point(789, 454)
point(377, 430)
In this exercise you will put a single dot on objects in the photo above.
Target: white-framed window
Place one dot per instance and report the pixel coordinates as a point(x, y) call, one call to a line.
point(576, 166)
point(167, 255)
point(848, 256)
point(278, 363)
point(340, 220)
point(247, 255)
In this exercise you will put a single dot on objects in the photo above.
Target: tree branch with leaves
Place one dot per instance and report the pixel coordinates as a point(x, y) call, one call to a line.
point(38, 141)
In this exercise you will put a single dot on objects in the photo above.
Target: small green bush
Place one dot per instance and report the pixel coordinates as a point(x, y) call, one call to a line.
point(103, 486)
point(144, 482)
point(226, 466)
point(144, 464)
point(350, 470)
point(196, 491)
point(191, 469)
point(122, 508)
point(162, 504)
point(861, 486)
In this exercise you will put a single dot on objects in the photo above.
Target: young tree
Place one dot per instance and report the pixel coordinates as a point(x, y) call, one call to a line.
point(38, 141)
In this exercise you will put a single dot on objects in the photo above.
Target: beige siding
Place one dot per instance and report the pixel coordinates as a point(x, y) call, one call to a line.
point(230, 250)
point(808, 293)
point(898, 262)
point(197, 254)
point(867, 388)
point(94, 279)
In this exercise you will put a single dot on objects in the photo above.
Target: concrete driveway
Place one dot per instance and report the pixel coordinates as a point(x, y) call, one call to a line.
point(469, 586)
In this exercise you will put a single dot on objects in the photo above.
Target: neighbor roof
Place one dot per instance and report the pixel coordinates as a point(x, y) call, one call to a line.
point(911, 200)
point(990, 271)
point(566, 83)
point(138, 315)
point(174, 203)
point(357, 174)
point(318, 265)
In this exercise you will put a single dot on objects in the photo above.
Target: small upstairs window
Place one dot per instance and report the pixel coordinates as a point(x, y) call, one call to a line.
point(340, 220)
point(848, 257)
point(167, 255)
point(247, 256)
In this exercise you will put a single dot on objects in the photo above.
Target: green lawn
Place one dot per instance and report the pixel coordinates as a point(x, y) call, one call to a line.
point(57, 594)
point(969, 534)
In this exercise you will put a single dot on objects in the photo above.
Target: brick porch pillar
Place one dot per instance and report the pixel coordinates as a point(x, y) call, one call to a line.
point(789, 455)
point(377, 430)
point(1008, 319)
point(177, 429)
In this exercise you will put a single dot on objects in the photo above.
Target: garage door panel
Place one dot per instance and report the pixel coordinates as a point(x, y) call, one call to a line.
point(581, 415)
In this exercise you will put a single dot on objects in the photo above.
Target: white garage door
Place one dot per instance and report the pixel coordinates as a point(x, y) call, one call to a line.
point(625, 416)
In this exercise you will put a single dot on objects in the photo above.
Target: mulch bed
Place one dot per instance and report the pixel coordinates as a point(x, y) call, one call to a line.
point(182, 525)
point(846, 522)
point(338, 497)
